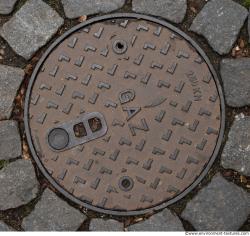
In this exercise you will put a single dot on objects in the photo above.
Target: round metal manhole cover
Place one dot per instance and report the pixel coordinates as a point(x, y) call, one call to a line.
point(124, 114)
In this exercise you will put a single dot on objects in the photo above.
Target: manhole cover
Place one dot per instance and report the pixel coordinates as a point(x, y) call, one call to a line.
point(124, 114)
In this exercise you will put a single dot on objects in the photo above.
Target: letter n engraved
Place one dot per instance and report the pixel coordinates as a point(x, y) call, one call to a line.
point(143, 126)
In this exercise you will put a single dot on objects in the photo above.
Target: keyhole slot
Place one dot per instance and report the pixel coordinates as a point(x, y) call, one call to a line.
point(79, 130)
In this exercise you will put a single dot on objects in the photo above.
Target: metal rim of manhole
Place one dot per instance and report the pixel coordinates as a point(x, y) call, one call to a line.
point(124, 114)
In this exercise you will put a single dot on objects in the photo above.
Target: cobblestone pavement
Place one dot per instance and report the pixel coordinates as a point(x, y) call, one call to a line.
point(220, 202)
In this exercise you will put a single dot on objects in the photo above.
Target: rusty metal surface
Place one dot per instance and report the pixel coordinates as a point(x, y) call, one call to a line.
point(124, 114)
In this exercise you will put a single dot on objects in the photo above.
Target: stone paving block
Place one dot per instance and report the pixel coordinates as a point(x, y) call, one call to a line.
point(174, 11)
point(53, 214)
point(76, 8)
point(105, 225)
point(236, 153)
point(6, 6)
point(220, 22)
point(10, 81)
point(18, 184)
point(220, 206)
point(31, 27)
point(236, 81)
point(4, 227)
point(10, 141)
point(163, 221)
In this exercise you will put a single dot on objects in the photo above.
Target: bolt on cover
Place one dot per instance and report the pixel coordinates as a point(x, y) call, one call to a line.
point(124, 114)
